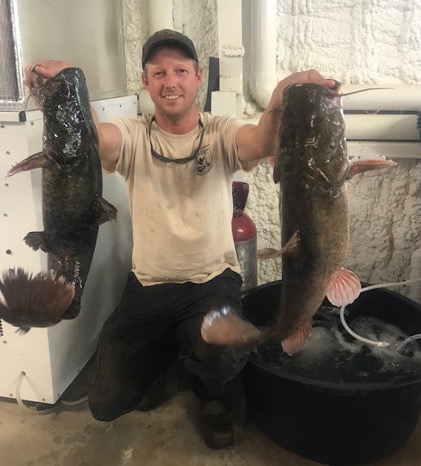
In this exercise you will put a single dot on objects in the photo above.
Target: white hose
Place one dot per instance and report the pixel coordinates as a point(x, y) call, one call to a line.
point(22, 405)
point(75, 402)
point(33, 410)
point(380, 344)
point(18, 398)
point(417, 336)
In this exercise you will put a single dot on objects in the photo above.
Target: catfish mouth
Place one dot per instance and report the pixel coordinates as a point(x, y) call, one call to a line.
point(334, 92)
point(39, 90)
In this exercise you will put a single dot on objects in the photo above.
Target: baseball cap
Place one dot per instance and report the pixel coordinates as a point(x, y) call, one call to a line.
point(167, 37)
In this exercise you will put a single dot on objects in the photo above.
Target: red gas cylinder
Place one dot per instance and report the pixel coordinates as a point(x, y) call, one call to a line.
point(245, 236)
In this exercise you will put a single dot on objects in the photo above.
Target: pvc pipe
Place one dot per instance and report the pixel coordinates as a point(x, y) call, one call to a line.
point(263, 50)
point(146, 104)
point(231, 48)
point(160, 15)
point(381, 127)
point(389, 149)
point(383, 97)
point(415, 288)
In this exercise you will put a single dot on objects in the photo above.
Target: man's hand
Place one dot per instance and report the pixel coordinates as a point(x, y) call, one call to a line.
point(46, 69)
point(257, 142)
point(300, 77)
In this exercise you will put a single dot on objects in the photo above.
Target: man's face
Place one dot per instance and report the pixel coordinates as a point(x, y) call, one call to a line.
point(172, 81)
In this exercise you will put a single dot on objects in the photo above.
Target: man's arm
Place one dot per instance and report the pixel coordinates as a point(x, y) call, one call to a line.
point(108, 134)
point(255, 142)
point(109, 137)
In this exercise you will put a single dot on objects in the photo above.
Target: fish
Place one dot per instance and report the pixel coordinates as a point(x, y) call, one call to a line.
point(72, 206)
point(312, 167)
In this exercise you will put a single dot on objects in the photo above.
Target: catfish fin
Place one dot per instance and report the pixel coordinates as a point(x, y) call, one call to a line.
point(36, 240)
point(298, 339)
point(38, 160)
point(34, 300)
point(227, 327)
point(105, 211)
point(269, 253)
point(344, 288)
point(360, 166)
point(289, 248)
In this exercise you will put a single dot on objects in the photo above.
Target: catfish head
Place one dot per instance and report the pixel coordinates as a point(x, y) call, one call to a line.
point(68, 127)
point(312, 140)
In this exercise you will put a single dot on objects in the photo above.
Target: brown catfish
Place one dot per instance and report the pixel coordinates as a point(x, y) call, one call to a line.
point(312, 167)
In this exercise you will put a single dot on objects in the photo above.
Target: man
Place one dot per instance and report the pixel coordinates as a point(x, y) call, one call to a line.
point(178, 166)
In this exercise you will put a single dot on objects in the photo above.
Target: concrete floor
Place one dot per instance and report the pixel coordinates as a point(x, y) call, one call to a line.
point(167, 436)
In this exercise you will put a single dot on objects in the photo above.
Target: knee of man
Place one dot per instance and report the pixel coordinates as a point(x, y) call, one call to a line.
point(101, 412)
point(226, 360)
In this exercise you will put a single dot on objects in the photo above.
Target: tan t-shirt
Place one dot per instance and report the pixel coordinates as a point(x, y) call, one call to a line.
point(181, 213)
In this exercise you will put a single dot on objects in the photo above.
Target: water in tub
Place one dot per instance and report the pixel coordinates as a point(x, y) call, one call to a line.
point(332, 355)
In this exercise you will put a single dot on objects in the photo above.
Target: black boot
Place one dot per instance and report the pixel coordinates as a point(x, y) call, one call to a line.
point(216, 424)
point(155, 395)
point(234, 399)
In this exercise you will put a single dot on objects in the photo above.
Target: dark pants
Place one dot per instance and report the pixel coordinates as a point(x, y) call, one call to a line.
point(138, 342)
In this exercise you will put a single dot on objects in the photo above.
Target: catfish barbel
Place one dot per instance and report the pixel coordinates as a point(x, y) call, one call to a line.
point(312, 167)
point(72, 206)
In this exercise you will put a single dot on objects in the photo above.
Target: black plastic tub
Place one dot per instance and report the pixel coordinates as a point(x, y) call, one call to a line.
point(342, 420)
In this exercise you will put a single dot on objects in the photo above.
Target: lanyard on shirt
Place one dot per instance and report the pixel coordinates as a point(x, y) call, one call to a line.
point(183, 160)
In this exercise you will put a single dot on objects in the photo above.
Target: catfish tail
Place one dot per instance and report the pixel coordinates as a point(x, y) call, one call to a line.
point(39, 300)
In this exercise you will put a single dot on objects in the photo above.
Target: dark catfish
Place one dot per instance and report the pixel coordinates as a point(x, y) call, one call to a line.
point(312, 167)
point(73, 207)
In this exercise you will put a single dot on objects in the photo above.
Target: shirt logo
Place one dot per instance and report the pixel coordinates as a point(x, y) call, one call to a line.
point(203, 160)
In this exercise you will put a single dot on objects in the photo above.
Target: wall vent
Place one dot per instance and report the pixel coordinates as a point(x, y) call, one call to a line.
point(1, 328)
point(11, 92)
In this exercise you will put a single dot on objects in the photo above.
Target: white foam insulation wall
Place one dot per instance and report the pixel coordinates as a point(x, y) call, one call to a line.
point(364, 42)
